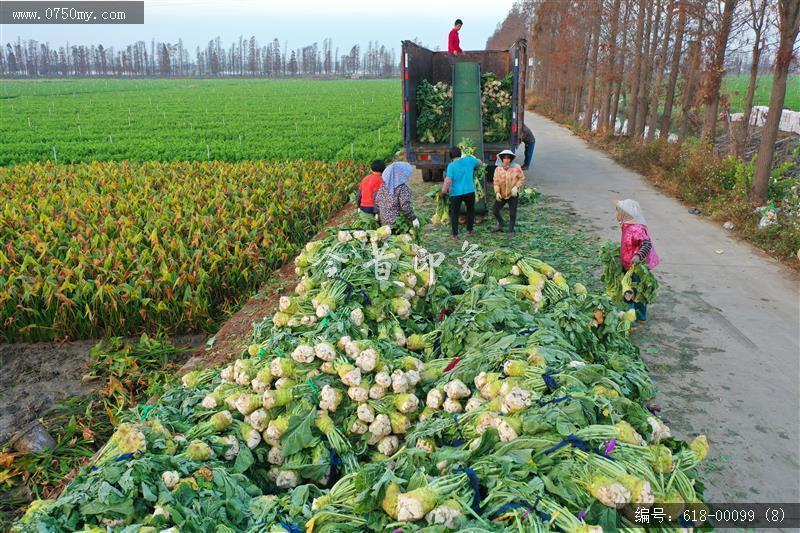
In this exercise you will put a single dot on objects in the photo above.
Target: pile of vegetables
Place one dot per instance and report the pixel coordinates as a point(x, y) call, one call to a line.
point(621, 286)
point(404, 397)
point(434, 109)
point(496, 97)
point(435, 104)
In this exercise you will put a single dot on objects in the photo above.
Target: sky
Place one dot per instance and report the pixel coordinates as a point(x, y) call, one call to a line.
point(300, 23)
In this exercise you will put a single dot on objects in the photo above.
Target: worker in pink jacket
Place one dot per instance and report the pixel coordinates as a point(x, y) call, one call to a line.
point(636, 247)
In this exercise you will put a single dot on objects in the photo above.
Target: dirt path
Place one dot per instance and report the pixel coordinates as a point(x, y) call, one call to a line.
point(723, 342)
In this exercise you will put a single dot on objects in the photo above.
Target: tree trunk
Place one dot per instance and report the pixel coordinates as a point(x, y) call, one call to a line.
point(581, 79)
point(597, 13)
point(603, 119)
point(789, 11)
point(673, 72)
point(690, 80)
point(646, 71)
point(714, 79)
point(661, 63)
point(619, 78)
point(741, 131)
point(637, 67)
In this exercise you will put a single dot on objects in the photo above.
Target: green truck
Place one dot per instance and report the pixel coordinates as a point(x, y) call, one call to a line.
point(464, 74)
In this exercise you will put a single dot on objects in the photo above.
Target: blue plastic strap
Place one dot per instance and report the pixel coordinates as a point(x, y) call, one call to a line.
point(291, 528)
point(549, 382)
point(544, 516)
point(509, 507)
point(476, 488)
point(571, 440)
point(527, 331)
point(458, 428)
point(560, 399)
point(335, 462)
point(364, 296)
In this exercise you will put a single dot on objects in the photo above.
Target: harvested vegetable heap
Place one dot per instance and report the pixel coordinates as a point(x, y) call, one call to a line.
point(414, 400)
point(435, 103)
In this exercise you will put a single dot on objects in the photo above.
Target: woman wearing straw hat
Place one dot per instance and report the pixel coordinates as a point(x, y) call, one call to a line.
point(508, 180)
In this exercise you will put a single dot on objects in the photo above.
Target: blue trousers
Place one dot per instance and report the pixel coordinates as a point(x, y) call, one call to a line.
point(641, 310)
point(529, 153)
point(640, 307)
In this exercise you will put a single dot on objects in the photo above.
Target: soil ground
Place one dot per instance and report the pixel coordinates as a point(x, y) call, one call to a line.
point(36, 375)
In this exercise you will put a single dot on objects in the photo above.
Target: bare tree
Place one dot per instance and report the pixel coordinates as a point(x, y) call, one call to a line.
point(757, 19)
point(661, 62)
point(637, 68)
point(605, 106)
point(789, 24)
point(597, 15)
point(716, 70)
point(669, 98)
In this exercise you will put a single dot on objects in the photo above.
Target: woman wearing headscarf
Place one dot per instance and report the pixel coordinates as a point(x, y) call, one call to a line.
point(394, 196)
point(636, 246)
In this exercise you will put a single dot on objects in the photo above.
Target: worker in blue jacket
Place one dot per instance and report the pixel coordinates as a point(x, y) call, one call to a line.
point(459, 184)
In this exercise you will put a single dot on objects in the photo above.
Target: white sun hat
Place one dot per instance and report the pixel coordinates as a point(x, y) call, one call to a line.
point(506, 152)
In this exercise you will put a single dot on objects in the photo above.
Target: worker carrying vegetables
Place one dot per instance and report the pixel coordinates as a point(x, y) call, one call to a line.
point(393, 197)
point(460, 185)
point(365, 197)
point(508, 181)
point(636, 247)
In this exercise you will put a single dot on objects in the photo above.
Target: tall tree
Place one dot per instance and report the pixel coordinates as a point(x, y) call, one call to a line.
point(620, 79)
point(691, 81)
point(651, 40)
point(605, 105)
point(597, 15)
point(637, 67)
point(757, 19)
point(789, 26)
point(661, 63)
point(713, 80)
point(669, 98)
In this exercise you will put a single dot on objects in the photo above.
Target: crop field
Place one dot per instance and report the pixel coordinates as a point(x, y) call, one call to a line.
point(128, 247)
point(197, 120)
point(736, 88)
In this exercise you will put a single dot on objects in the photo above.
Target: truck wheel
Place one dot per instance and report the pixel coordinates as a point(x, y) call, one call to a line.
point(427, 174)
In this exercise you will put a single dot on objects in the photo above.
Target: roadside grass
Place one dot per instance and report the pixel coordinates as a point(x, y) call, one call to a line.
point(546, 228)
point(693, 172)
point(128, 372)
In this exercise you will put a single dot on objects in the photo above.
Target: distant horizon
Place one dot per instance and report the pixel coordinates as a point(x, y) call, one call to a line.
point(348, 23)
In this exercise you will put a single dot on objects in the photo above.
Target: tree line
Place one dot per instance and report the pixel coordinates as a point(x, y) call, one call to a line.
point(651, 68)
point(242, 58)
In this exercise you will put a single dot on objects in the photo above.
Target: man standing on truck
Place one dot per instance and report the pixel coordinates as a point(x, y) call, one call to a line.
point(453, 42)
point(530, 143)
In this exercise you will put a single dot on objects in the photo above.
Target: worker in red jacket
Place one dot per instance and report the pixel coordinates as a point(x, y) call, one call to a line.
point(453, 43)
point(365, 196)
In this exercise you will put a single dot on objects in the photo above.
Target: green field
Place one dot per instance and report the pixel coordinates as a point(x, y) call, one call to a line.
point(736, 88)
point(167, 120)
point(114, 221)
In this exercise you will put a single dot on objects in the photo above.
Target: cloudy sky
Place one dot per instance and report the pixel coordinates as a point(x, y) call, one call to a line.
point(300, 23)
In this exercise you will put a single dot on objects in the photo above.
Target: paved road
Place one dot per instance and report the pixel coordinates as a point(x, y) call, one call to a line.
point(722, 343)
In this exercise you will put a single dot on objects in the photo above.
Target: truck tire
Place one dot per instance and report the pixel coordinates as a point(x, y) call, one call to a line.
point(427, 175)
